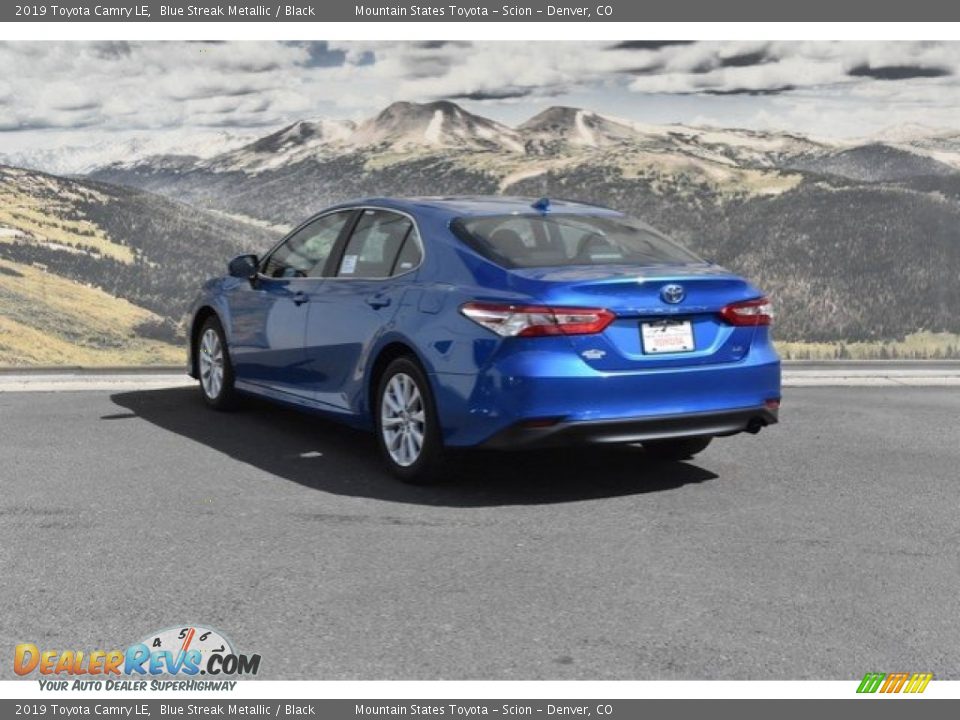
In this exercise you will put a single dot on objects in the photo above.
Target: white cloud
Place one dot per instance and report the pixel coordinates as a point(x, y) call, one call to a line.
point(129, 87)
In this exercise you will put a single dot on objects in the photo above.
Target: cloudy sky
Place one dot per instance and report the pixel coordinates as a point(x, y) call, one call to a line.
point(63, 93)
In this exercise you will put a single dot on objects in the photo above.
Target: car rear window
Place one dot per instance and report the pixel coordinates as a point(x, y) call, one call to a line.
point(538, 240)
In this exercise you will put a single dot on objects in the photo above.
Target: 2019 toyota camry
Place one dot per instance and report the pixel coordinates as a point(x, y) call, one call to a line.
point(494, 322)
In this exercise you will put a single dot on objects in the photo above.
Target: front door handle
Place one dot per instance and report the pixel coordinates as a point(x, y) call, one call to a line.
point(378, 301)
point(299, 298)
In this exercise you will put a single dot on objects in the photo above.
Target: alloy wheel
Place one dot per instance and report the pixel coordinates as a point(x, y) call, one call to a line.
point(403, 420)
point(211, 363)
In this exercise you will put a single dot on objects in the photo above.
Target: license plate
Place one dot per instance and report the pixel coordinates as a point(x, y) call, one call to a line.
point(666, 336)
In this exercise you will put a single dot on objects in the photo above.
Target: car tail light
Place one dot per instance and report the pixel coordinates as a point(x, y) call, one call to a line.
point(750, 312)
point(537, 320)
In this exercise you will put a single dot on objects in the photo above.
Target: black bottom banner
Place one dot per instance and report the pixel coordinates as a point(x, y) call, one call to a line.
point(784, 709)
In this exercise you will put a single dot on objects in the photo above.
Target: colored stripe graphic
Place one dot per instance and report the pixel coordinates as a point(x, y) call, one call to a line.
point(918, 682)
point(895, 682)
point(871, 682)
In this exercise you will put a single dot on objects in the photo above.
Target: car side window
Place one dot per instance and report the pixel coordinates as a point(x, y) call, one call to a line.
point(305, 253)
point(410, 254)
point(374, 245)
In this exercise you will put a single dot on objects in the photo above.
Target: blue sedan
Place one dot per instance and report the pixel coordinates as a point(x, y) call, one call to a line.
point(493, 322)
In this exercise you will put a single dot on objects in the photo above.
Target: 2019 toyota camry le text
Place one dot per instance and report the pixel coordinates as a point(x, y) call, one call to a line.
point(493, 322)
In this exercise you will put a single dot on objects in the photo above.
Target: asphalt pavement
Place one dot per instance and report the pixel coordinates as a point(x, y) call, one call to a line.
point(824, 547)
point(796, 373)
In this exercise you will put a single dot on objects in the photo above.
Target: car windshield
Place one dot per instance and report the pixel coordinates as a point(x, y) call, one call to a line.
point(548, 240)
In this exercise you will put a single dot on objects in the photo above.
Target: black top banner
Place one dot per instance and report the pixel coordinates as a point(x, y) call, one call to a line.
point(474, 11)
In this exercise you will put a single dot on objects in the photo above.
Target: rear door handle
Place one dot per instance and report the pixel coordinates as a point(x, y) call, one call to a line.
point(299, 298)
point(378, 301)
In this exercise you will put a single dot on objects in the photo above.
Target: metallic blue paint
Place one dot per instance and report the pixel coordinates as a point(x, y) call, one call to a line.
point(314, 342)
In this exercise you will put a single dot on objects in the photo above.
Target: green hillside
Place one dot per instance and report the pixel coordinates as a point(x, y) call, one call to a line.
point(92, 274)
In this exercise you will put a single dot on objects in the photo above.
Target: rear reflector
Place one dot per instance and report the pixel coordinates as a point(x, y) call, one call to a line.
point(537, 320)
point(772, 404)
point(750, 312)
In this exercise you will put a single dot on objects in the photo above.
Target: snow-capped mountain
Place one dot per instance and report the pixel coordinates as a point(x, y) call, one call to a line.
point(558, 128)
point(405, 126)
point(440, 147)
point(876, 162)
point(83, 158)
point(908, 133)
point(746, 148)
point(420, 129)
point(560, 125)
point(402, 127)
point(943, 146)
point(286, 146)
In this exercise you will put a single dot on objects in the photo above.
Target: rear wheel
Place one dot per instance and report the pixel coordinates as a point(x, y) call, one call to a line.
point(676, 449)
point(407, 427)
point(214, 367)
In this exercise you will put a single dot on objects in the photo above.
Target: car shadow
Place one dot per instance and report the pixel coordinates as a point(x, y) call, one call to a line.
point(324, 455)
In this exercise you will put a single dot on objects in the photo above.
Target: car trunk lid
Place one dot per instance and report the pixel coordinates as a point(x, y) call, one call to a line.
point(637, 296)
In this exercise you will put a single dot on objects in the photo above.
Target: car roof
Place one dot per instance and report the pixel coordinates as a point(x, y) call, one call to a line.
point(479, 205)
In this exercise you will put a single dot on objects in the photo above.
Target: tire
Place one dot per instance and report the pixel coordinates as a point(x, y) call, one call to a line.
point(214, 369)
point(407, 428)
point(677, 449)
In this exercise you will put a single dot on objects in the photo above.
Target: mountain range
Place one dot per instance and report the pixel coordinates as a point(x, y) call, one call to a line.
point(406, 128)
point(856, 240)
point(78, 158)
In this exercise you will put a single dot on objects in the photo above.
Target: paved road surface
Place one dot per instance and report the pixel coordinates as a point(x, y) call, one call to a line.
point(815, 373)
point(822, 548)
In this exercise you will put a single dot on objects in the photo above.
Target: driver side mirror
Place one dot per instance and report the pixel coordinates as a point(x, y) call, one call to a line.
point(243, 266)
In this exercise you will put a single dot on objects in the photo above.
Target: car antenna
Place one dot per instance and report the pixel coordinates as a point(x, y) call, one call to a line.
point(541, 205)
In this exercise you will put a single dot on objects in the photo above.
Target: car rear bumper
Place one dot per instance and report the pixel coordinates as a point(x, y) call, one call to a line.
point(695, 400)
point(536, 433)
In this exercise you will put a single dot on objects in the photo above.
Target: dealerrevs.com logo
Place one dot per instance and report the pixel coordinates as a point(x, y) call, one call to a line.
point(185, 652)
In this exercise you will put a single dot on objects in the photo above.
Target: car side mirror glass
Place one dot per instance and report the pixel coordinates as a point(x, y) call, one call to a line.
point(243, 266)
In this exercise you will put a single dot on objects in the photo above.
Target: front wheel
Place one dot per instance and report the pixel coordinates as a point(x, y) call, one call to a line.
point(407, 427)
point(676, 449)
point(214, 367)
